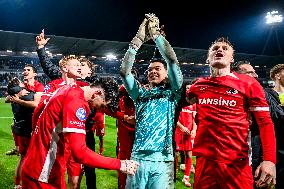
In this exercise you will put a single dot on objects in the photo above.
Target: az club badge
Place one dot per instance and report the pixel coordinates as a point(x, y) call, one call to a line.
point(46, 88)
point(232, 91)
point(81, 114)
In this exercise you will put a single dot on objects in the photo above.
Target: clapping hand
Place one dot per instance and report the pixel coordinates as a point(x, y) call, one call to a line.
point(141, 36)
point(153, 25)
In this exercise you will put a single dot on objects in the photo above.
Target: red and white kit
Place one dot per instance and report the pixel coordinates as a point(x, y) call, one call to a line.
point(60, 131)
point(186, 118)
point(223, 136)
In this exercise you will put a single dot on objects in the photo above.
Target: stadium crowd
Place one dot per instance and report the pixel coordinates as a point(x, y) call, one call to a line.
point(228, 121)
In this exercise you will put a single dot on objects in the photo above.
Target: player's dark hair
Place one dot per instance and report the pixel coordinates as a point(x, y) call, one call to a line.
point(157, 57)
point(32, 66)
point(236, 67)
point(13, 86)
point(110, 87)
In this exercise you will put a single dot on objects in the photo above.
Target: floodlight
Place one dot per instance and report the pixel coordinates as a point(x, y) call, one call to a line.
point(273, 17)
point(111, 57)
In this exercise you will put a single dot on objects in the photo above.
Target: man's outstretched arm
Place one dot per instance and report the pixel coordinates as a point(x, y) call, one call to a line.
point(128, 79)
point(48, 67)
point(167, 52)
point(84, 155)
point(126, 75)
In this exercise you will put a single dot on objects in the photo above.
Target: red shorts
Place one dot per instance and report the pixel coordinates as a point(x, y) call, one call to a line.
point(218, 175)
point(15, 136)
point(183, 142)
point(73, 168)
point(23, 143)
point(100, 131)
point(30, 183)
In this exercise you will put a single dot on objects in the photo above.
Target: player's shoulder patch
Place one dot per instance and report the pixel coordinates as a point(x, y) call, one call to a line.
point(46, 87)
point(232, 91)
point(81, 114)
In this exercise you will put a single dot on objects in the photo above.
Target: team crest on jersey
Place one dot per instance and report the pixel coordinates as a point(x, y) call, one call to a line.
point(232, 91)
point(46, 87)
point(81, 114)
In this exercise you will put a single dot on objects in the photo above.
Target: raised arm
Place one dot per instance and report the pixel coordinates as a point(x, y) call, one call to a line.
point(50, 69)
point(125, 72)
point(167, 52)
point(128, 79)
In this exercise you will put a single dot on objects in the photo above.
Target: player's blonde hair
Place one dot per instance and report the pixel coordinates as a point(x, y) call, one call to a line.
point(65, 59)
point(90, 64)
point(275, 70)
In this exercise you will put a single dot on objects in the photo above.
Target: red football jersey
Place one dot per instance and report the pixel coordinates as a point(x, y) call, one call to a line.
point(186, 117)
point(49, 91)
point(99, 123)
point(223, 104)
point(45, 156)
point(57, 83)
point(82, 83)
point(38, 87)
point(53, 85)
point(125, 130)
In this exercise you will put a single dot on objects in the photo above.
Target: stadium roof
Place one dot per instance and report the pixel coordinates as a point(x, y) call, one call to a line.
point(18, 42)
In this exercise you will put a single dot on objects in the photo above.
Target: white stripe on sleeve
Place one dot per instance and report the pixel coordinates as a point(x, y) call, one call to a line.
point(74, 130)
point(259, 109)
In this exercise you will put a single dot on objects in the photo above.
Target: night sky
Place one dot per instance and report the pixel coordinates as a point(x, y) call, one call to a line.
point(188, 26)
